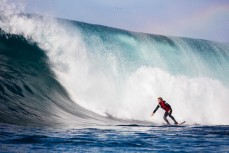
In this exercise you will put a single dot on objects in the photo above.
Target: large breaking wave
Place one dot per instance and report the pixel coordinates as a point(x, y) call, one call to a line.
point(56, 71)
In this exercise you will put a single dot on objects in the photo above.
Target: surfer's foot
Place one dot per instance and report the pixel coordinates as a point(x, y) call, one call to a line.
point(175, 123)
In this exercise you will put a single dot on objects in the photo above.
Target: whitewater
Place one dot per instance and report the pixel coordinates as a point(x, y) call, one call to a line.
point(58, 73)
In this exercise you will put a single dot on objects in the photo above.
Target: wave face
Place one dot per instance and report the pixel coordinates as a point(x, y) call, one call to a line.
point(29, 91)
point(56, 71)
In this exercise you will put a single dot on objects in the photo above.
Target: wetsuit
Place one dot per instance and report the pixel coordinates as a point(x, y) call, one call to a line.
point(167, 108)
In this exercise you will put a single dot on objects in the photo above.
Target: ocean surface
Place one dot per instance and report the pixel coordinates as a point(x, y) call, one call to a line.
point(133, 138)
point(68, 86)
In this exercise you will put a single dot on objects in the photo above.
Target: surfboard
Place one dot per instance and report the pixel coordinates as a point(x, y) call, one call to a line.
point(175, 125)
point(181, 123)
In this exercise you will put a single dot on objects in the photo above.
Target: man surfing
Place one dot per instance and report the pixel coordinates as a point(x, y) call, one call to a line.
point(167, 108)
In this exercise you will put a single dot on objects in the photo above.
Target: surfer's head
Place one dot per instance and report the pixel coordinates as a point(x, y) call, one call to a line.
point(159, 99)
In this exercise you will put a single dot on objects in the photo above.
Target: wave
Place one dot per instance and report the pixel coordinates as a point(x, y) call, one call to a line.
point(62, 72)
point(30, 94)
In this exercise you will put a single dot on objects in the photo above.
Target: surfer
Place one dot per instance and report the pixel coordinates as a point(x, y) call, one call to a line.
point(167, 108)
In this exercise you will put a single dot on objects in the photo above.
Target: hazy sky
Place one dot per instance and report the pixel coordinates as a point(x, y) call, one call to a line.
point(205, 19)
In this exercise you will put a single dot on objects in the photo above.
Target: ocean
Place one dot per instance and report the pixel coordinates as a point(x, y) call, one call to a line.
point(69, 86)
point(132, 138)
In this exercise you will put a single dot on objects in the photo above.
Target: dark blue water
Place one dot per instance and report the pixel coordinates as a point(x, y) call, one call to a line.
point(115, 139)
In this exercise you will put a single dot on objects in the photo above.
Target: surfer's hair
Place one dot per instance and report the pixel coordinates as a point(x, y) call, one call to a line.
point(159, 98)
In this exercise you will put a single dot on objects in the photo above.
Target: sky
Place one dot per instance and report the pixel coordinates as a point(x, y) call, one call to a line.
point(201, 19)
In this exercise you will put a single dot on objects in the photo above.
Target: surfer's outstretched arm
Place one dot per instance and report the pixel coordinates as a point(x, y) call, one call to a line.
point(155, 110)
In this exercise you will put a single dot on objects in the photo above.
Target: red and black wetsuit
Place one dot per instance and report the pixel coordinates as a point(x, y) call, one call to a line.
point(168, 111)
